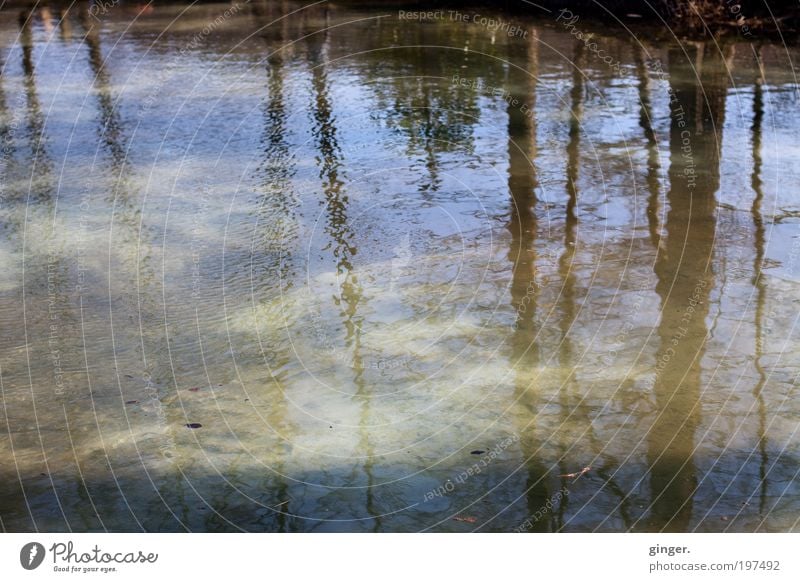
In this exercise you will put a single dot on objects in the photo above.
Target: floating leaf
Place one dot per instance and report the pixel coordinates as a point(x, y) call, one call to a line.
point(465, 518)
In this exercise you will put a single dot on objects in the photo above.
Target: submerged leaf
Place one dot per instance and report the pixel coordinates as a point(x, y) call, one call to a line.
point(465, 518)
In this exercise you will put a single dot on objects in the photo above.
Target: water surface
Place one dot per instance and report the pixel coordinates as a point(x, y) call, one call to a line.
point(406, 276)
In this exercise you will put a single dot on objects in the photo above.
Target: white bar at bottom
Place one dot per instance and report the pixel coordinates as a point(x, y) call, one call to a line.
point(415, 557)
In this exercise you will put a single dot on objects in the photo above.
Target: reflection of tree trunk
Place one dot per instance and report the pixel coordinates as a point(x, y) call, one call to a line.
point(325, 135)
point(275, 212)
point(111, 126)
point(521, 84)
point(566, 295)
point(758, 281)
point(138, 277)
point(34, 278)
point(40, 163)
point(350, 295)
point(685, 279)
point(522, 180)
point(6, 135)
point(653, 162)
point(573, 145)
point(277, 182)
point(64, 24)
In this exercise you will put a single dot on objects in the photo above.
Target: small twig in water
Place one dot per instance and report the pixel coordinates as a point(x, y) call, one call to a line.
point(465, 518)
point(578, 474)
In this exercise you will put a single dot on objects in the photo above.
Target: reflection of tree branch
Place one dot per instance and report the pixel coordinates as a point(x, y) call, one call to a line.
point(624, 501)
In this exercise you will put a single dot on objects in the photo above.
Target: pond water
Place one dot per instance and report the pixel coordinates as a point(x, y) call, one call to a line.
point(400, 275)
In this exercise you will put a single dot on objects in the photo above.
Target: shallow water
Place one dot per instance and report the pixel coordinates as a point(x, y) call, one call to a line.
point(406, 276)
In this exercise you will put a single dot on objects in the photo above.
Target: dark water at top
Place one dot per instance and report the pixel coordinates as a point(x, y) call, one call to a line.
point(405, 275)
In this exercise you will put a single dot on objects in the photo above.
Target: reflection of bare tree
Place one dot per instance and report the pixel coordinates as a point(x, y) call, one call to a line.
point(110, 131)
point(274, 216)
point(433, 109)
point(653, 162)
point(275, 211)
point(40, 296)
point(758, 280)
point(573, 145)
point(522, 181)
point(115, 141)
point(685, 278)
point(134, 276)
point(567, 300)
point(40, 165)
point(350, 296)
point(6, 133)
point(329, 157)
point(566, 296)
